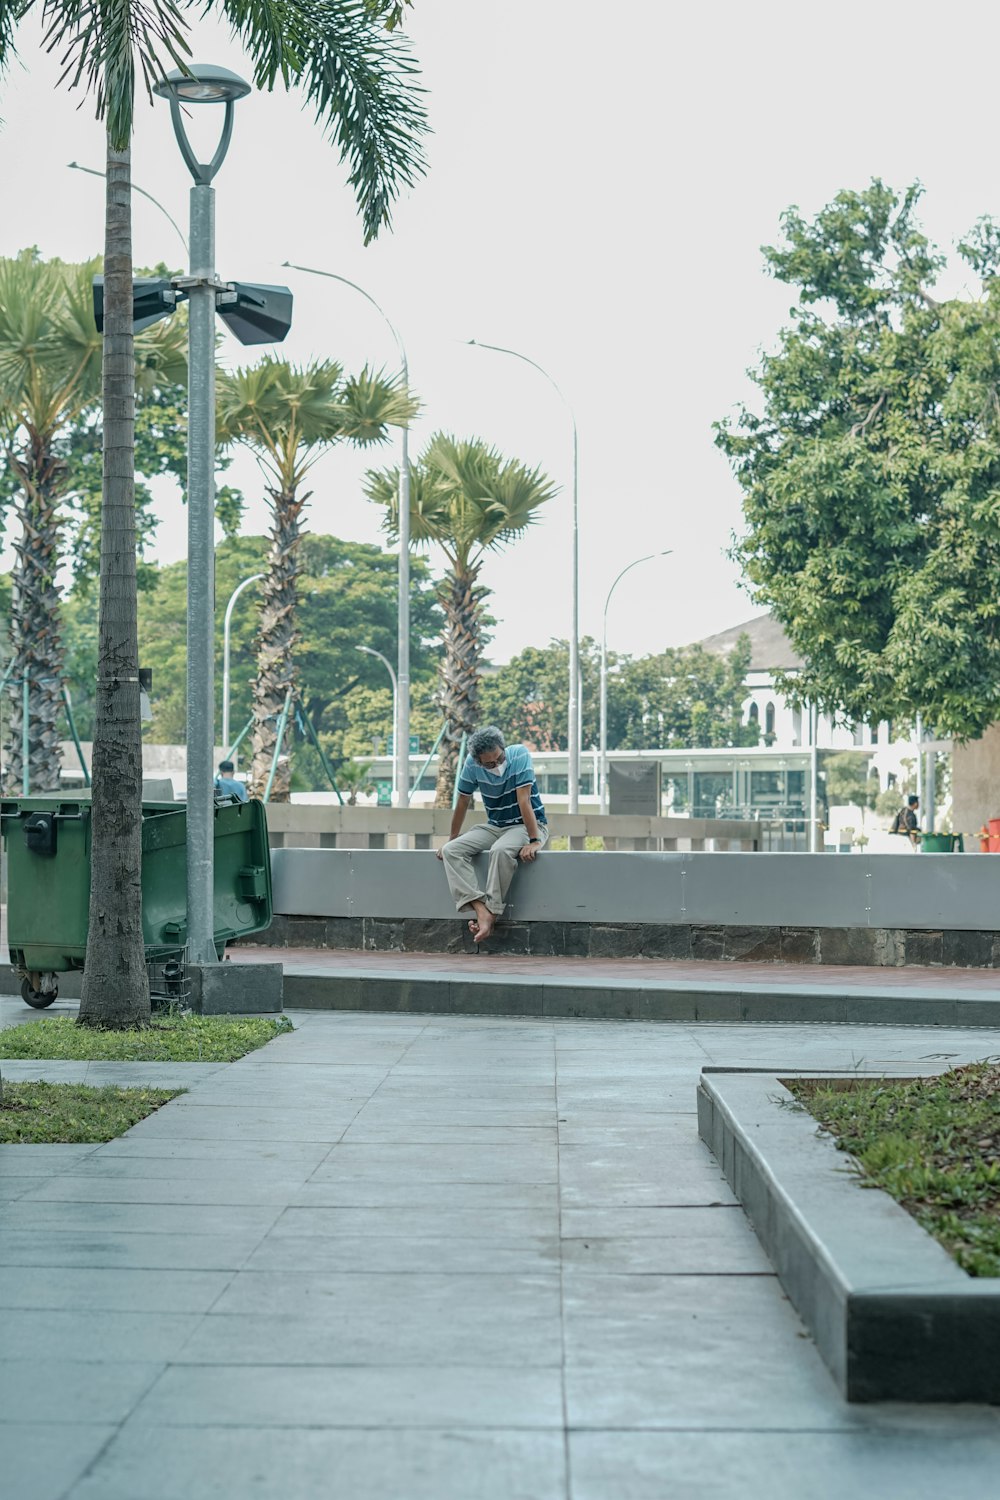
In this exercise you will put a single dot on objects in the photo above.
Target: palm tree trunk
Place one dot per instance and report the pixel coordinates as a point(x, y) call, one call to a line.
point(458, 675)
point(115, 981)
point(35, 629)
point(276, 640)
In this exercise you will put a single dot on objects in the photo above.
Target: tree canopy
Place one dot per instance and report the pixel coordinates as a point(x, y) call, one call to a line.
point(871, 472)
point(679, 698)
point(348, 600)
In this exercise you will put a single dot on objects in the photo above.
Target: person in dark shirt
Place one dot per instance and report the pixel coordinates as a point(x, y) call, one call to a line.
point(516, 827)
point(907, 822)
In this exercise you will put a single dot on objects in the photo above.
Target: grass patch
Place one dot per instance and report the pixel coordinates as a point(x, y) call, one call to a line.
point(169, 1039)
point(934, 1144)
point(44, 1113)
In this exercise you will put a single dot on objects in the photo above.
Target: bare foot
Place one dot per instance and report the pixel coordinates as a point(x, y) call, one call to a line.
point(483, 924)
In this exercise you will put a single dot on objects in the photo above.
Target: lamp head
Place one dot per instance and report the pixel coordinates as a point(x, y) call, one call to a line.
point(202, 83)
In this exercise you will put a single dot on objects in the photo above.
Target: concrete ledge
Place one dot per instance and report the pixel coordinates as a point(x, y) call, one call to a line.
point(627, 999)
point(223, 989)
point(893, 1316)
point(230, 989)
point(756, 894)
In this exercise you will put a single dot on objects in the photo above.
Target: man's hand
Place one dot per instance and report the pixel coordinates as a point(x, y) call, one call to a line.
point(439, 853)
point(527, 852)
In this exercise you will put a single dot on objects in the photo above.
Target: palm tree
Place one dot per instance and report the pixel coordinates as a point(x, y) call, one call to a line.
point(289, 416)
point(469, 500)
point(50, 381)
point(360, 82)
point(354, 777)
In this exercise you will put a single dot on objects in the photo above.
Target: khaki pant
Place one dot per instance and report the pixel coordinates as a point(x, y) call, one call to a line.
point(503, 844)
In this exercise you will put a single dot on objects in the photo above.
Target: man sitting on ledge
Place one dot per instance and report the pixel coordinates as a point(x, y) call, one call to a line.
point(517, 828)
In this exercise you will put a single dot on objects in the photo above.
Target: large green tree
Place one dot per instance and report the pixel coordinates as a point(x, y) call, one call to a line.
point(528, 697)
point(684, 697)
point(468, 500)
point(361, 85)
point(870, 467)
point(289, 416)
point(347, 598)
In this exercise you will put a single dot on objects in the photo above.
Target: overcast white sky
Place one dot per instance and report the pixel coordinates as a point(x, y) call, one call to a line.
point(600, 183)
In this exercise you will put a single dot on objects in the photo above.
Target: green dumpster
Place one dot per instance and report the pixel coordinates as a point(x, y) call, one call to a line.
point(942, 843)
point(48, 882)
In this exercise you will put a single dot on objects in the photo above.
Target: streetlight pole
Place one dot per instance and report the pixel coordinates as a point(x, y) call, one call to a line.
point(237, 591)
point(401, 715)
point(604, 671)
point(395, 709)
point(201, 85)
point(573, 726)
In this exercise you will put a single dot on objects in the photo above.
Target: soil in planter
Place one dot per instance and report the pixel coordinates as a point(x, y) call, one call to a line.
point(933, 1143)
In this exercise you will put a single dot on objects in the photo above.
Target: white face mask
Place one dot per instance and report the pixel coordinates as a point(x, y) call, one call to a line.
point(498, 769)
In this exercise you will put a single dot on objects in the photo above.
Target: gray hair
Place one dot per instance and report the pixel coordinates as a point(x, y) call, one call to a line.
point(486, 739)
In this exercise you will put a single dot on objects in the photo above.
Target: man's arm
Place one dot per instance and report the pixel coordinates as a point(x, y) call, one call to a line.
point(530, 821)
point(458, 816)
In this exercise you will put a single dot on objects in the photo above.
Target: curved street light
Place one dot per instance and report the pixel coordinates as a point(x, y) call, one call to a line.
point(93, 172)
point(237, 591)
point(401, 714)
point(573, 726)
point(370, 651)
point(604, 671)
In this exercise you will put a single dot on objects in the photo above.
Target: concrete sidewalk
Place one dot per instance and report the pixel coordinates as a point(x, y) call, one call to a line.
point(424, 1258)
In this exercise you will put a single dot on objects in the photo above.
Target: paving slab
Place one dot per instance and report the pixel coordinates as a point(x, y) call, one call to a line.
point(783, 1465)
point(81, 1333)
point(147, 1218)
point(40, 1460)
point(112, 1250)
point(354, 1396)
point(437, 1319)
point(81, 1391)
point(91, 1289)
point(187, 1463)
point(360, 1192)
point(521, 1163)
point(484, 1222)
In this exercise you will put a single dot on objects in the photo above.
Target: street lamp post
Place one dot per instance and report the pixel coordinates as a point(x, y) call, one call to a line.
point(237, 591)
point(604, 671)
point(573, 725)
point(401, 715)
point(395, 712)
point(201, 85)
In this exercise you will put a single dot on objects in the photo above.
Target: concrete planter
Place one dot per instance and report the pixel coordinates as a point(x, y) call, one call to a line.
point(892, 1314)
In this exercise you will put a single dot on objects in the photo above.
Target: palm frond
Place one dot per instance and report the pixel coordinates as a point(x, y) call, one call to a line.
point(464, 496)
point(428, 504)
point(50, 350)
point(104, 44)
point(372, 402)
point(361, 81)
point(275, 34)
point(10, 15)
point(293, 413)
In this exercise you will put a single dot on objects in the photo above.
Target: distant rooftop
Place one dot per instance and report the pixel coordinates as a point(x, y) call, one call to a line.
point(769, 645)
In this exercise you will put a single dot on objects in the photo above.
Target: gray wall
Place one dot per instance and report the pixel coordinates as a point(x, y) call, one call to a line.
point(929, 891)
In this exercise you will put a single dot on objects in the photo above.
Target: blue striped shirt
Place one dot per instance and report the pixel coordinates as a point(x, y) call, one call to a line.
point(499, 793)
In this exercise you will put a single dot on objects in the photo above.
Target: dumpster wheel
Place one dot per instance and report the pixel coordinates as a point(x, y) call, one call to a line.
point(37, 998)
